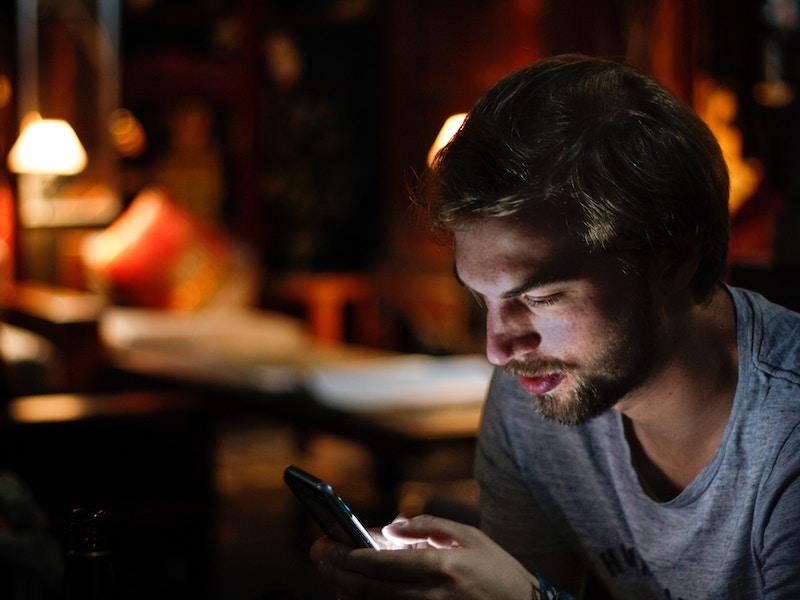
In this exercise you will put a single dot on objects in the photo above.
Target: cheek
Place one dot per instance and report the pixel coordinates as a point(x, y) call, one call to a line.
point(577, 333)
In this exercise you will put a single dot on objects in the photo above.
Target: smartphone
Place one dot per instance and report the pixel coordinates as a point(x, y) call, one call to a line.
point(329, 510)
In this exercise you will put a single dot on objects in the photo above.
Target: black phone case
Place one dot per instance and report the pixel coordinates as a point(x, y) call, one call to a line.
point(329, 511)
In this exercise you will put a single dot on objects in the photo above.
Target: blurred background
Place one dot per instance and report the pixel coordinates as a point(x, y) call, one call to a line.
point(210, 268)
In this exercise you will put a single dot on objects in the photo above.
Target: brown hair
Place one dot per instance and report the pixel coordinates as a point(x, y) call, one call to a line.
point(639, 172)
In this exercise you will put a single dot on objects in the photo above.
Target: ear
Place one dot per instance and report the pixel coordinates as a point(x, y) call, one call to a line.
point(675, 270)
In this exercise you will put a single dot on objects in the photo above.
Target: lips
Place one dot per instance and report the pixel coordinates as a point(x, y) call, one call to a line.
point(541, 384)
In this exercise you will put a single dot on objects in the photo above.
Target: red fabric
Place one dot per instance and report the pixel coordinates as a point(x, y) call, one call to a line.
point(158, 254)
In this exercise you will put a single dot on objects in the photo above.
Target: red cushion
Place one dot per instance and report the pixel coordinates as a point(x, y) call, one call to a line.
point(158, 254)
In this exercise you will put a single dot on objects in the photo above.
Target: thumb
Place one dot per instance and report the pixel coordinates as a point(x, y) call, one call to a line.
point(438, 532)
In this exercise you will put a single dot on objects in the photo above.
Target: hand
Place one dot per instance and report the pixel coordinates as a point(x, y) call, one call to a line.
point(439, 560)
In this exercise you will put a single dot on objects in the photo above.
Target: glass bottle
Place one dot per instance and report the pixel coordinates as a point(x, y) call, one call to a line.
point(89, 574)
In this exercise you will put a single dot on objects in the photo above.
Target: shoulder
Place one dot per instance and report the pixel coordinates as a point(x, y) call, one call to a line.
point(769, 346)
point(770, 335)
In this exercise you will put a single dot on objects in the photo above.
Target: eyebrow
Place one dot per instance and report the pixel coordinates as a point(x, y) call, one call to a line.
point(531, 283)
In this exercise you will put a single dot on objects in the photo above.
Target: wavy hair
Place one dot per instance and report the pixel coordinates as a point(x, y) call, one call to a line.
point(634, 170)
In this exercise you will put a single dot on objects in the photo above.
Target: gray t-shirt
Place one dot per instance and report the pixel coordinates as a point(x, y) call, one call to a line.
point(734, 532)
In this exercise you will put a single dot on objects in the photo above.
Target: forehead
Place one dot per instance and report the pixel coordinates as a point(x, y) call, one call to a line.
point(499, 252)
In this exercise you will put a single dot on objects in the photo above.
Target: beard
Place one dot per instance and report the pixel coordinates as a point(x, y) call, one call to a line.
point(627, 359)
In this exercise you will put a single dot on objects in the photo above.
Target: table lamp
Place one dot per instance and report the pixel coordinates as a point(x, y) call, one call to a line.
point(47, 147)
point(46, 150)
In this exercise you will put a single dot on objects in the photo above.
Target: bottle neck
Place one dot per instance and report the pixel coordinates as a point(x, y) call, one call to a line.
point(88, 533)
point(89, 570)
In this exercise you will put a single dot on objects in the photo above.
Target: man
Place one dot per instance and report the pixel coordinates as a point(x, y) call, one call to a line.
point(643, 425)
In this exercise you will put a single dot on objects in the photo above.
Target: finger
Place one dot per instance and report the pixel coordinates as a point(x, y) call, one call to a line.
point(411, 565)
point(329, 554)
point(440, 533)
point(396, 565)
point(383, 542)
point(321, 549)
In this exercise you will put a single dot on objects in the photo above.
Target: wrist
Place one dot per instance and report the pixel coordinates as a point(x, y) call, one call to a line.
point(544, 591)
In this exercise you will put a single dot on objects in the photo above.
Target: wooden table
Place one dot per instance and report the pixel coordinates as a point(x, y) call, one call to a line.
point(228, 357)
point(68, 319)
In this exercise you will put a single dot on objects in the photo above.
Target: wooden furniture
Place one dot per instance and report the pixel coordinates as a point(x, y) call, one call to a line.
point(248, 364)
point(327, 299)
point(231, 361)
point(68, 319)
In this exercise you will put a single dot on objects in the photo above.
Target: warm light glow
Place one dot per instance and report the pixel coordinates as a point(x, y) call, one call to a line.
point(6, 90)
point(106, 246)
point(127, 133)
point(47, 147)
point(48, 409)
point(57, 408)
point(718, 106)
point(449, 129)
point(773, 94)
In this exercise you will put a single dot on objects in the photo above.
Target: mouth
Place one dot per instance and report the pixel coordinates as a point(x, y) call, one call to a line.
point(541, 384)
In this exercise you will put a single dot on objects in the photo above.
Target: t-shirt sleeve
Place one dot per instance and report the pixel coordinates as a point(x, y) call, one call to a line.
point(780, 547)
point(510, 512)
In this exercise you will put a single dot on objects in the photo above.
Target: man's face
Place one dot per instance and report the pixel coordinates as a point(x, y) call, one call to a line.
point(577, 331)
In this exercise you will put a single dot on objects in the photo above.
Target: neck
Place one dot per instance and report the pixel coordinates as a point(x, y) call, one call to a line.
point(675, 421)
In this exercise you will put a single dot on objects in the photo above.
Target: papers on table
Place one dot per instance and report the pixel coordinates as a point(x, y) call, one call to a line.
point(238, 347)
point(273, 353)
point(401, 382)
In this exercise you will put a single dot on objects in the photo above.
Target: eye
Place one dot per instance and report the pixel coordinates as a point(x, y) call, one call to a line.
point(540, 301)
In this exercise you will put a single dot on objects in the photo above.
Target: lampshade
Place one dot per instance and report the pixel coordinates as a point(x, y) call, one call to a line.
point(47, 147)
point(448, 130)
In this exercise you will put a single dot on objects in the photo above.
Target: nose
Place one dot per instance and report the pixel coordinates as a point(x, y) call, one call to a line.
point(510, 334)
